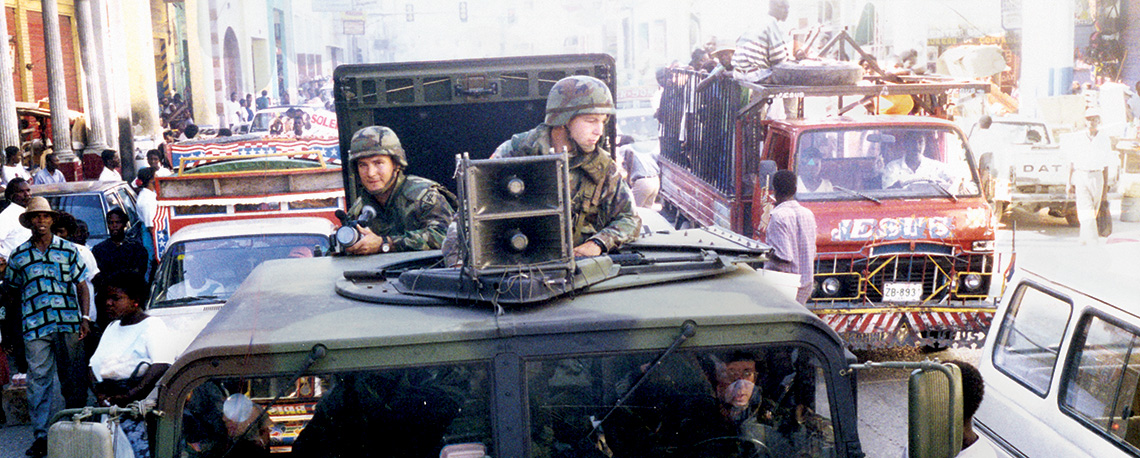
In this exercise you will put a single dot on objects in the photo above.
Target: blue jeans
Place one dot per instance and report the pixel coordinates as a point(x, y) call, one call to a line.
point(57, 374)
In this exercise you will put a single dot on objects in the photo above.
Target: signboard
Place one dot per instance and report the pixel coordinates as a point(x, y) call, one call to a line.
point(1011, 14)
point(333, 6)
point(353, 22)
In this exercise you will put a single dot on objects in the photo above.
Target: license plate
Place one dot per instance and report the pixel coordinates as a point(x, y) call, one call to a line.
point(897, 291)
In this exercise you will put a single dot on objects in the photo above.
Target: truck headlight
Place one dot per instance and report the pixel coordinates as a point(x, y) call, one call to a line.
point(972, 282)
point(830, 286)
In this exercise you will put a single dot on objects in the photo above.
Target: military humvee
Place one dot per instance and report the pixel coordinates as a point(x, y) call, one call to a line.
point(673, 347)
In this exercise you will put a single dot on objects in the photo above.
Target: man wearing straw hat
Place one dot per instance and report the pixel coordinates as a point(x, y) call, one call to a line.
point(46, 273)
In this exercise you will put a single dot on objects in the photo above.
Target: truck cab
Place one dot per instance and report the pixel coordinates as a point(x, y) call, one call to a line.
point(904, 252)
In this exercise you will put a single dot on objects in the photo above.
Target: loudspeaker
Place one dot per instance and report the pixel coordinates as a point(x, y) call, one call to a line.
point(516, 212)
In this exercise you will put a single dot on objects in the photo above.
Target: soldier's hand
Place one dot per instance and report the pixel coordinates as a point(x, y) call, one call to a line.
point(587, 249)
point(369, 243)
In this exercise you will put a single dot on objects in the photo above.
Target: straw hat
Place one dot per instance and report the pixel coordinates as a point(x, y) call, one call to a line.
point(36, 204)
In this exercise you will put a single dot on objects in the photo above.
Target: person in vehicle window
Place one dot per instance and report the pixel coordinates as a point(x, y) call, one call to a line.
point(577, 111)
point(196, 282)
point(133, 353)
point(412, 213)
point(810, 176)
point(914, 166)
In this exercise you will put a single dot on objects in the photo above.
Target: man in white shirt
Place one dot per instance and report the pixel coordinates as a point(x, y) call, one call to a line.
point(50, 173)
point(110, 163)
point(915, 166)
point(1090, 155)
point(12, 233)
point(12, 166)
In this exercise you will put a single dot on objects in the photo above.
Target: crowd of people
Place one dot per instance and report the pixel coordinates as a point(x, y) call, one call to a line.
point(71, 317)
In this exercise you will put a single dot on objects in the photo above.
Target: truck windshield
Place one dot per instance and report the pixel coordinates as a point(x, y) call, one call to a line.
point(1015, 133)
point(880, 163)
point(212, 269)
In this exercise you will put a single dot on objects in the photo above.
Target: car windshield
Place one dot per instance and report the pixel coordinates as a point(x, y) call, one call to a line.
point(210, 270)
point(87, 208)
point(869, 163)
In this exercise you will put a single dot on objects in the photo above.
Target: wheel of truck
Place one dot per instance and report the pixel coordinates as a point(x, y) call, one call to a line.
point(817, 73)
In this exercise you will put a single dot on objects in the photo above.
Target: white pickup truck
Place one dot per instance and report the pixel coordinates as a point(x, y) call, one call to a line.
point(1022, 165)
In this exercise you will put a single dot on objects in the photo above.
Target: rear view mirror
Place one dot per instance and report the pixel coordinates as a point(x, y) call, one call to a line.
point(935, 412)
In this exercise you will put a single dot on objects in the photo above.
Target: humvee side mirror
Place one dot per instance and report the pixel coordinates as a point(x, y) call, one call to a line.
point(935, 412)
point(934, 408)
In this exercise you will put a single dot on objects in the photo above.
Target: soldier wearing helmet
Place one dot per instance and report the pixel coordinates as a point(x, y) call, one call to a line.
point(412, 213)
point(577, 111)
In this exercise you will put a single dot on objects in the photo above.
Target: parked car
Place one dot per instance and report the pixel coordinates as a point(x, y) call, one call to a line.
point(90, 201)
point(220, 255)
point(1059, 364)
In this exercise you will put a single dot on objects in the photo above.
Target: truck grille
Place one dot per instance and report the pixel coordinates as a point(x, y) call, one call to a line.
point(938, 274)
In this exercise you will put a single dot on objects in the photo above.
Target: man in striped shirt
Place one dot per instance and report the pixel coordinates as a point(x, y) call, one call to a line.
point(762, 46)
point(791, 234)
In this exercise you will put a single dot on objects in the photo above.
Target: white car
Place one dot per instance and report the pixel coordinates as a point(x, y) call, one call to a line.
point(205, 263)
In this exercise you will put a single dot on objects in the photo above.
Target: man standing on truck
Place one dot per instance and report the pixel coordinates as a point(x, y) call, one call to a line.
point(411, 213)
point(577, 111)
point(791, 234)
point(1090, 155)
point(762, 46)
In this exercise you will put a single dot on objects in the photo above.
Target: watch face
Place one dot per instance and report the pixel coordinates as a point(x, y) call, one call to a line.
point(385, 248)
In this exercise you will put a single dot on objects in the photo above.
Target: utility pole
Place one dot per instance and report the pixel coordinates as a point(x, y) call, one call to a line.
point(57, 93)
point(9, 127)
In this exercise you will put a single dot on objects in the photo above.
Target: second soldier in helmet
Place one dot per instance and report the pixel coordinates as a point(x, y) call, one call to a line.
point(412, 213)
point(577, 111)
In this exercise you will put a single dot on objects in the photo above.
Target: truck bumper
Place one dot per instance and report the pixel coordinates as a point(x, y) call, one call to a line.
point(865, 329)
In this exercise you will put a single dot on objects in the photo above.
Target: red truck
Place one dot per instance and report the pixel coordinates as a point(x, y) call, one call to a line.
point(903, 258)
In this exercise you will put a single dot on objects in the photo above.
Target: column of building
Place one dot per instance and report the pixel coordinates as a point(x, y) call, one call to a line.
point(57, 93)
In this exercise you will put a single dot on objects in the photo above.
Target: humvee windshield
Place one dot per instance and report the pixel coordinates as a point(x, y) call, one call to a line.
point(738, 401)
point(872, 163)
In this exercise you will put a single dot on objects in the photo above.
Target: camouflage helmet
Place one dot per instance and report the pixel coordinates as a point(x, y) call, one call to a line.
point(376, 140)
point(576, 95)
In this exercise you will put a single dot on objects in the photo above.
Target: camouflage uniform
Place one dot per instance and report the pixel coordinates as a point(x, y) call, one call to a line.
point(601, 204)
point(417, 211)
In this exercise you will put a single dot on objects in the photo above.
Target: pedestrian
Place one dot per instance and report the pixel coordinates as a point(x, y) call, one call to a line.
point(12, 233)
point(50, 173)
point(263, 101)
point(762, 47)
point(249, 105)
point(133, 353)
point(110, 163)
point(577, 111)
point(643, 173)
point(12, 166)
point(154, 160)
point(68, 228)
point(412, 213)
point(147, 205)
point(1090, 156)
point(791, 234)
point(118, 252)
point(46, 273)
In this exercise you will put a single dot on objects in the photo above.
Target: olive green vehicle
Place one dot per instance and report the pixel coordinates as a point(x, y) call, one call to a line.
point(673, 347)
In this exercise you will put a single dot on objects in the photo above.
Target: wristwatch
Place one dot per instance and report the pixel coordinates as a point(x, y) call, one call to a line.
point(86, 317)
point(385, 247)
point(600, 244)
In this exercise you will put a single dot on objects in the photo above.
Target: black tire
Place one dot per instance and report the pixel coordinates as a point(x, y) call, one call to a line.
point(817, 73)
